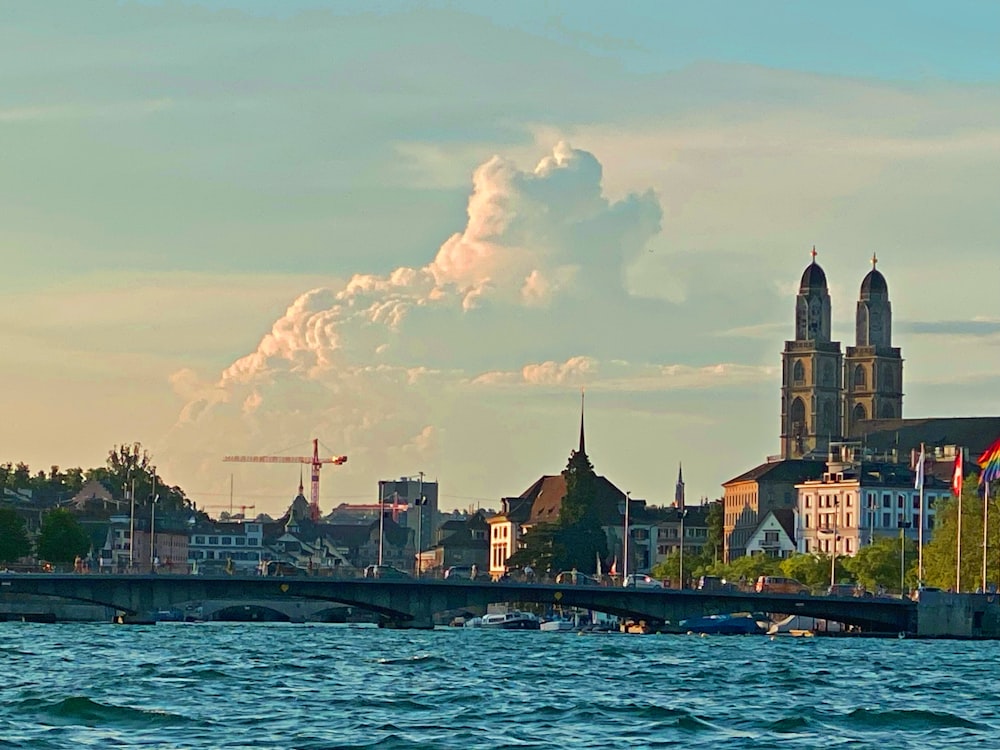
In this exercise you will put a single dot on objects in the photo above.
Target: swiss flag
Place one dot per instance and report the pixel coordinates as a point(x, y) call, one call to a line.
point(956, 478)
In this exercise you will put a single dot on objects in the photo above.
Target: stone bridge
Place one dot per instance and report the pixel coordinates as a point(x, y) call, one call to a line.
point(413, 603)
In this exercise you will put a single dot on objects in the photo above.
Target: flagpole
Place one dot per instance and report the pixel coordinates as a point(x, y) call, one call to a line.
point(920, 520)
point(986, 514)
point(957, 474)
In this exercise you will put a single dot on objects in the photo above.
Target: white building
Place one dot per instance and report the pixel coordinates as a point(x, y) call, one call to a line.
point(859, 499)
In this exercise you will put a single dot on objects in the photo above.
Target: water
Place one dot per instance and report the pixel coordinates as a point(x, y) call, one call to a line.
point(230, 685)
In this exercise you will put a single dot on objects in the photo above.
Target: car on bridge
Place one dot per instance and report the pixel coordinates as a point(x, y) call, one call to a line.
point(577, 579)
point(779, 585)
point(641, 581)
point(387, 572)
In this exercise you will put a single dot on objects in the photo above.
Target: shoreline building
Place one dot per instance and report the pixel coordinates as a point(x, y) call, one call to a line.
point(829, 397)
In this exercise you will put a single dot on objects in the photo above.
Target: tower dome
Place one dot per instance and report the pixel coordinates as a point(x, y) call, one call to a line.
point(813, 278)
point(874, 283)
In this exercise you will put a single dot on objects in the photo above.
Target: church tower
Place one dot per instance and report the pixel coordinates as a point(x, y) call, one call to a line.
point(873, 367)
point(811, 373)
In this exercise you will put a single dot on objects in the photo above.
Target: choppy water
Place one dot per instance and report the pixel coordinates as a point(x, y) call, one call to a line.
point(229, 685)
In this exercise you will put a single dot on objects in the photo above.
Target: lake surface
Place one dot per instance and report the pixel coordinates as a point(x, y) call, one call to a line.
point(231, 685)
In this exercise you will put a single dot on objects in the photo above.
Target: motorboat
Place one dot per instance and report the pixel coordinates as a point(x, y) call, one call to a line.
point(558, 624)
point(513, 620)
point(741, 623)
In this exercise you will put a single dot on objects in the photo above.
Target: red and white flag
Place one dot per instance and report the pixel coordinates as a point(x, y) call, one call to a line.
point(614, 567)
point(956, 478)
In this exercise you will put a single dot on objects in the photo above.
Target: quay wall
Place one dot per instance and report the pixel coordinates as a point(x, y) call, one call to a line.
point(942, 614)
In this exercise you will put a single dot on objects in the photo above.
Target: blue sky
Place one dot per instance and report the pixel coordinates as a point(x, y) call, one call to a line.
point(417, 230)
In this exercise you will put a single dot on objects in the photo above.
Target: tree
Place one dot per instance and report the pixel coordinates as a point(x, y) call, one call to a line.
point(813, 569)
point(580, 536)
point(541, 549)
point(61, 538)
point(14, 542)
point(878, 564)
point(941, 553)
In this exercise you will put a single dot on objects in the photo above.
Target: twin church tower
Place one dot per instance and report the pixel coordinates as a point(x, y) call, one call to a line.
point(824, 393)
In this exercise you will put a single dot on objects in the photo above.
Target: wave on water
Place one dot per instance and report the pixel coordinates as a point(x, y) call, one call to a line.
point(422, 659)
point(81, 710)
point(908, 720)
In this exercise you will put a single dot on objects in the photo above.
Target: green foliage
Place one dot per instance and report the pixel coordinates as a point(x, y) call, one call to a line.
point(14, 542)
point(878, 564)
point(814, 569)
point(941, 554)
point(577, 539)
point(540, 549)
point(669, 568)
point(61, 538)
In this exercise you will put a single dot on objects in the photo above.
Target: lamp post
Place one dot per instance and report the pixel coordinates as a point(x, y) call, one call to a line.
point(833, 557)
point(131, 519)
point(152, 526)
point(683, 514)
point(421, 501)
point(628, 497)
point(381, 518)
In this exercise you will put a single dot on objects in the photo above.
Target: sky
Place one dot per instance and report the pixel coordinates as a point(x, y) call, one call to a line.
point(419, 231)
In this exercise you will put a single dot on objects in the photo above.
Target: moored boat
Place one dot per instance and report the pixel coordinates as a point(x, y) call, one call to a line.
point(513, 620)
point(734, 624)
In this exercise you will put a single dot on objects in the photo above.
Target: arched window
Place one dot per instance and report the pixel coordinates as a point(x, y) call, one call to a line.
point(797, 421)
point(798, 372)
point(859, 413)
point(860, 379)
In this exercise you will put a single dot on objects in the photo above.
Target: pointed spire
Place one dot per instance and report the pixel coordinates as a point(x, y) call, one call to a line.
point(301, 488)
point(874, 261)
point(679, 487)
point(583, 447)
point(813, 253)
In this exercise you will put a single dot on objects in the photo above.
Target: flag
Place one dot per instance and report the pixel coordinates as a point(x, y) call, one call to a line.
point(919, 483)
point(614, 567)
point(989, 462)
point(598, 556)
point(956, 477)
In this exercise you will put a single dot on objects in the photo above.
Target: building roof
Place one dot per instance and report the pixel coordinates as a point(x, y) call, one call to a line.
point(813, 278)
point(546, 495)
point(874, 283)
point(905, 435)
point(791, 470)
point(785, 517)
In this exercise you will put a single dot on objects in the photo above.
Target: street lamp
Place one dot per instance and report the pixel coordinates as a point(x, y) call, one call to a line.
point(683, 514)
point(628, 498)
point(152, 526)
point(130, 492)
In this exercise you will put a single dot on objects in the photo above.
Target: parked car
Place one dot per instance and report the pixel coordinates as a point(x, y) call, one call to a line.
point(459, 571)
point(385, 571)
point(847, 589)
point(779, 585)
point(713, 583)
point(577, 579)
point(641, 581)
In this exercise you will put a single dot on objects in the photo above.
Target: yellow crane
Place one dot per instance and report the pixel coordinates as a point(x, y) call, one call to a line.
point(314, 461)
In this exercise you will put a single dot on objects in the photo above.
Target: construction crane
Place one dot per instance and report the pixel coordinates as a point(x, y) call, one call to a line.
point(314, 460)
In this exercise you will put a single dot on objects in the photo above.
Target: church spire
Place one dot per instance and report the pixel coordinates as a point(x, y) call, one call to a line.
point(582, 441)
point(679, 488)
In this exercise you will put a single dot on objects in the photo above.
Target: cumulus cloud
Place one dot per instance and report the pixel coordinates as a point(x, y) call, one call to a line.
point(382, 366)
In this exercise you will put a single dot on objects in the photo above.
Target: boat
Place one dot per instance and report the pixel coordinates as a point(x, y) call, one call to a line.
point(513, 620)
point(558, 624)
point(473, 622)
point(733, 624)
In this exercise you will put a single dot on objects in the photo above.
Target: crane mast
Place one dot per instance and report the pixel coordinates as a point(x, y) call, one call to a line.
point(314, 461)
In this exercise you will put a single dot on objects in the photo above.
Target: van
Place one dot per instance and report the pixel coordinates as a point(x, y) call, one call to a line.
point(847, 589)
point(778, 585)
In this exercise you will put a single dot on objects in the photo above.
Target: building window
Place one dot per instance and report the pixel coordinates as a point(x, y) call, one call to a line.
point(808, 501)
point(886, 500)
